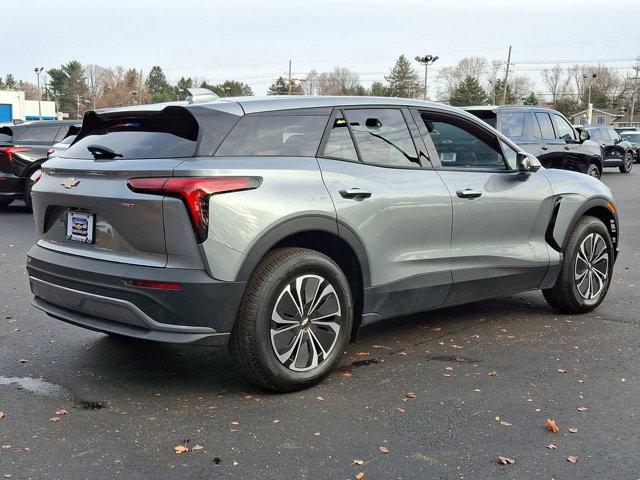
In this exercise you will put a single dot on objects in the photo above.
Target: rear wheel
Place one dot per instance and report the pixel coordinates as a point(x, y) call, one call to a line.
point(586, 270)
point(628, 163)
point(593, 170)
point(294, 321)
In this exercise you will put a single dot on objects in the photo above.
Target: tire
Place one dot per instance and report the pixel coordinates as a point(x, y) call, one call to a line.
point(594, 171)
point(568, 293)
point(270, 330)
point(628, 163)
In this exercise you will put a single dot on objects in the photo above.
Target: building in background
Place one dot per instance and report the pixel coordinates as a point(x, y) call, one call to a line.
point(14, 106)
point(598, 117)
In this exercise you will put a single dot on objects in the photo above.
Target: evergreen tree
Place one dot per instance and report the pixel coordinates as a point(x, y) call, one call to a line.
point(403, 80)
point(182, 86)
point(281, 87)
point(9, 82)
point(468, 92)
point(510, 99)
point(159, 87)
point(531, 99)
point(69, 84)
point(379, 89)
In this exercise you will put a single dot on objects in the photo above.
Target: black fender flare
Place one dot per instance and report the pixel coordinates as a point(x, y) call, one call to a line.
point(302, 224)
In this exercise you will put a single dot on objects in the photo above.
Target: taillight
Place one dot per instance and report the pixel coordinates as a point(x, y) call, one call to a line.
point(10, 151)
point(156, 285)
point(50, 151)
point(195, 193)
point(35, 176)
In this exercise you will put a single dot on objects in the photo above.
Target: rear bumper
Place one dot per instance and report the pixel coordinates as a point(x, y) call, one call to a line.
point(11, 186)
point(94, 294)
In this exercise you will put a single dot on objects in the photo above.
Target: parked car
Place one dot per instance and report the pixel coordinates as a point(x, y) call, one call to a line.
point(625, 129)
point(634, 139)
point(60, 147)
point(616, 151)
point(281, 225)
point(547, 134)
point(23, 148)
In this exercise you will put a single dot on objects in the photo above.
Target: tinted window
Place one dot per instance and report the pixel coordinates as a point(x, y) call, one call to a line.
point(565, 131)
point(632, 137)
point(383, 137)
point(274, 135)
point(546, 127)
point(512, 124)
point(40, 134)
point(604, 133)
point(594, 134)
point(340, 144)
point(461, 146)
point(485, 115)
point(535, 126)
point(613, 134)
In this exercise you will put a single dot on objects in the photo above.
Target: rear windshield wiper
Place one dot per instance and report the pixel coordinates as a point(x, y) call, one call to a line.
point(99, 152)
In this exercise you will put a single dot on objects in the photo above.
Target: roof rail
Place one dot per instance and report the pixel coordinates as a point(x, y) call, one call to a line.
point(200, 95)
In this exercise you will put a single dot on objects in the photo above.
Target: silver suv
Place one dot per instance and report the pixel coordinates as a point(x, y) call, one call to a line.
point(281, 225)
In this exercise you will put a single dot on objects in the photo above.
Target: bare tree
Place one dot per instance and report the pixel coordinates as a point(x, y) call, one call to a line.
point(450, 77)
point(339, 81)
point(557, 81)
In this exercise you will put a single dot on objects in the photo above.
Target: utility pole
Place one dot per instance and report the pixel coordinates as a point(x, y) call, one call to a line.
point(426, 61)
point(635, 93)
point(289, 78)
point(588, 79)
point(38, 72)
point(506, 78)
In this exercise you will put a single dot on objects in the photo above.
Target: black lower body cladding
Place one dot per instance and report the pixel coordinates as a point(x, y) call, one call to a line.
point(98, 295)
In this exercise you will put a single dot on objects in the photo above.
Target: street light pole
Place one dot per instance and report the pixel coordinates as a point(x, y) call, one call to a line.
point(426, 61)
point(38, 72)
point(589, 78)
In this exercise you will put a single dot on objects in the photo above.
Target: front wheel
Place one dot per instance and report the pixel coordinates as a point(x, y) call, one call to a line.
point(586, 269)
point(593, 170)
point(294, 321)
point(628, 163)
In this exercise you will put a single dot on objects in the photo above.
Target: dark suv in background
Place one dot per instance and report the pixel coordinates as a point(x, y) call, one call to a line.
point(633, 137)
point(23, 148)
point(617, 151)
point(547, 134)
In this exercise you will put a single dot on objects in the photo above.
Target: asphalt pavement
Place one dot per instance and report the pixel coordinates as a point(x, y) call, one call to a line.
point(443, 393)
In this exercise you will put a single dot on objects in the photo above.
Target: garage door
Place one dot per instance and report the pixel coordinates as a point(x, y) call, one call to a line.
point(6, 113)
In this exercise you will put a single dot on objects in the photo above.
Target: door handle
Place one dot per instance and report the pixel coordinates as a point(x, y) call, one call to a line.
point(567, 147)
point(355, 193)
point(468, 193)
point(544, 147)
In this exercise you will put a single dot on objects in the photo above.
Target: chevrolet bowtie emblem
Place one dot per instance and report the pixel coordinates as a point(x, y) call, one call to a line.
point(70, 183)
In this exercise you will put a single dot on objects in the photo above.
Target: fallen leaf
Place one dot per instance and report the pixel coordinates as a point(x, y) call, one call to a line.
point(55, 419)
point(319, 398)
point(505, 424)
point(410, 395)
point(404, 354)
point(1, 414)
point(572, 459)
point(435, 329)
point(181, 449)
point(6, 446)
point(235, 423)
point(383, 449)
point(357, 461)
point(506, 460)
point(492, 374)
point(359, 475)
point(347, 374)
point(248, 397)
point(580, 409)
point(449, 369)
point(562, 370)
point(197, 447)
point(551, 446)
point(316, 434)
point(276, 421)
point(380, 346)
point(362, 354)
point(401, 410)
point(551, 426)
point(460, 359)
point(62, 412)
point(573, 430)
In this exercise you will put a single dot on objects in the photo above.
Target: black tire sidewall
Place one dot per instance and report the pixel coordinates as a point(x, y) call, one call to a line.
point(592, 167)
point(304, 263)
point(586, 227)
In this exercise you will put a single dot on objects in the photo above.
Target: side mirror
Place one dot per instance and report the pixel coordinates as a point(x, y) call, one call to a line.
point(523, 163)
point(583, 135)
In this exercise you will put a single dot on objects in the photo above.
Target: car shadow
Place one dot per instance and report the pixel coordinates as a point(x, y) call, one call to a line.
point(17, 207)
point(140, 366)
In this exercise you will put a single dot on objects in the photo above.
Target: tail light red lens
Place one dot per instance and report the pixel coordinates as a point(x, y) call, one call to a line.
point(195, 193)
point(156, 285)
point(10, 151)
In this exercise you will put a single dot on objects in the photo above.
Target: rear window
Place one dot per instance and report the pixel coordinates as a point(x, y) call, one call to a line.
point(485, 115)
point(40, 134)
point(274, 135)
point(170, 133)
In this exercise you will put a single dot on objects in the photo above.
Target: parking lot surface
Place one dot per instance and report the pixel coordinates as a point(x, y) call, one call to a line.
point(444, 393)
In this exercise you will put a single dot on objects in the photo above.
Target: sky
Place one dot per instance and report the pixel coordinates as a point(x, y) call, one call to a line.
point(253, 40)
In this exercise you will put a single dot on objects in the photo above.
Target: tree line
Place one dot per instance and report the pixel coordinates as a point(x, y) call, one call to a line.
point(472, 81)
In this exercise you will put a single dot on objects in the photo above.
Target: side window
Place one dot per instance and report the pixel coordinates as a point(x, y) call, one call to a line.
point(565, 131)
point(535, 126)
point(340, 144)
point(274, 135)
point(613, 134)
point(512, 124)
point(604, 133)
point(594, 134)
point(546, 127)
point(40, 134)
point(462, 145)
point(383, 137)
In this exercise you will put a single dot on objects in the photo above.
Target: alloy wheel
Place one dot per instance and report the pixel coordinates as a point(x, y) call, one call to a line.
point(592, 266)
point(305, 322)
